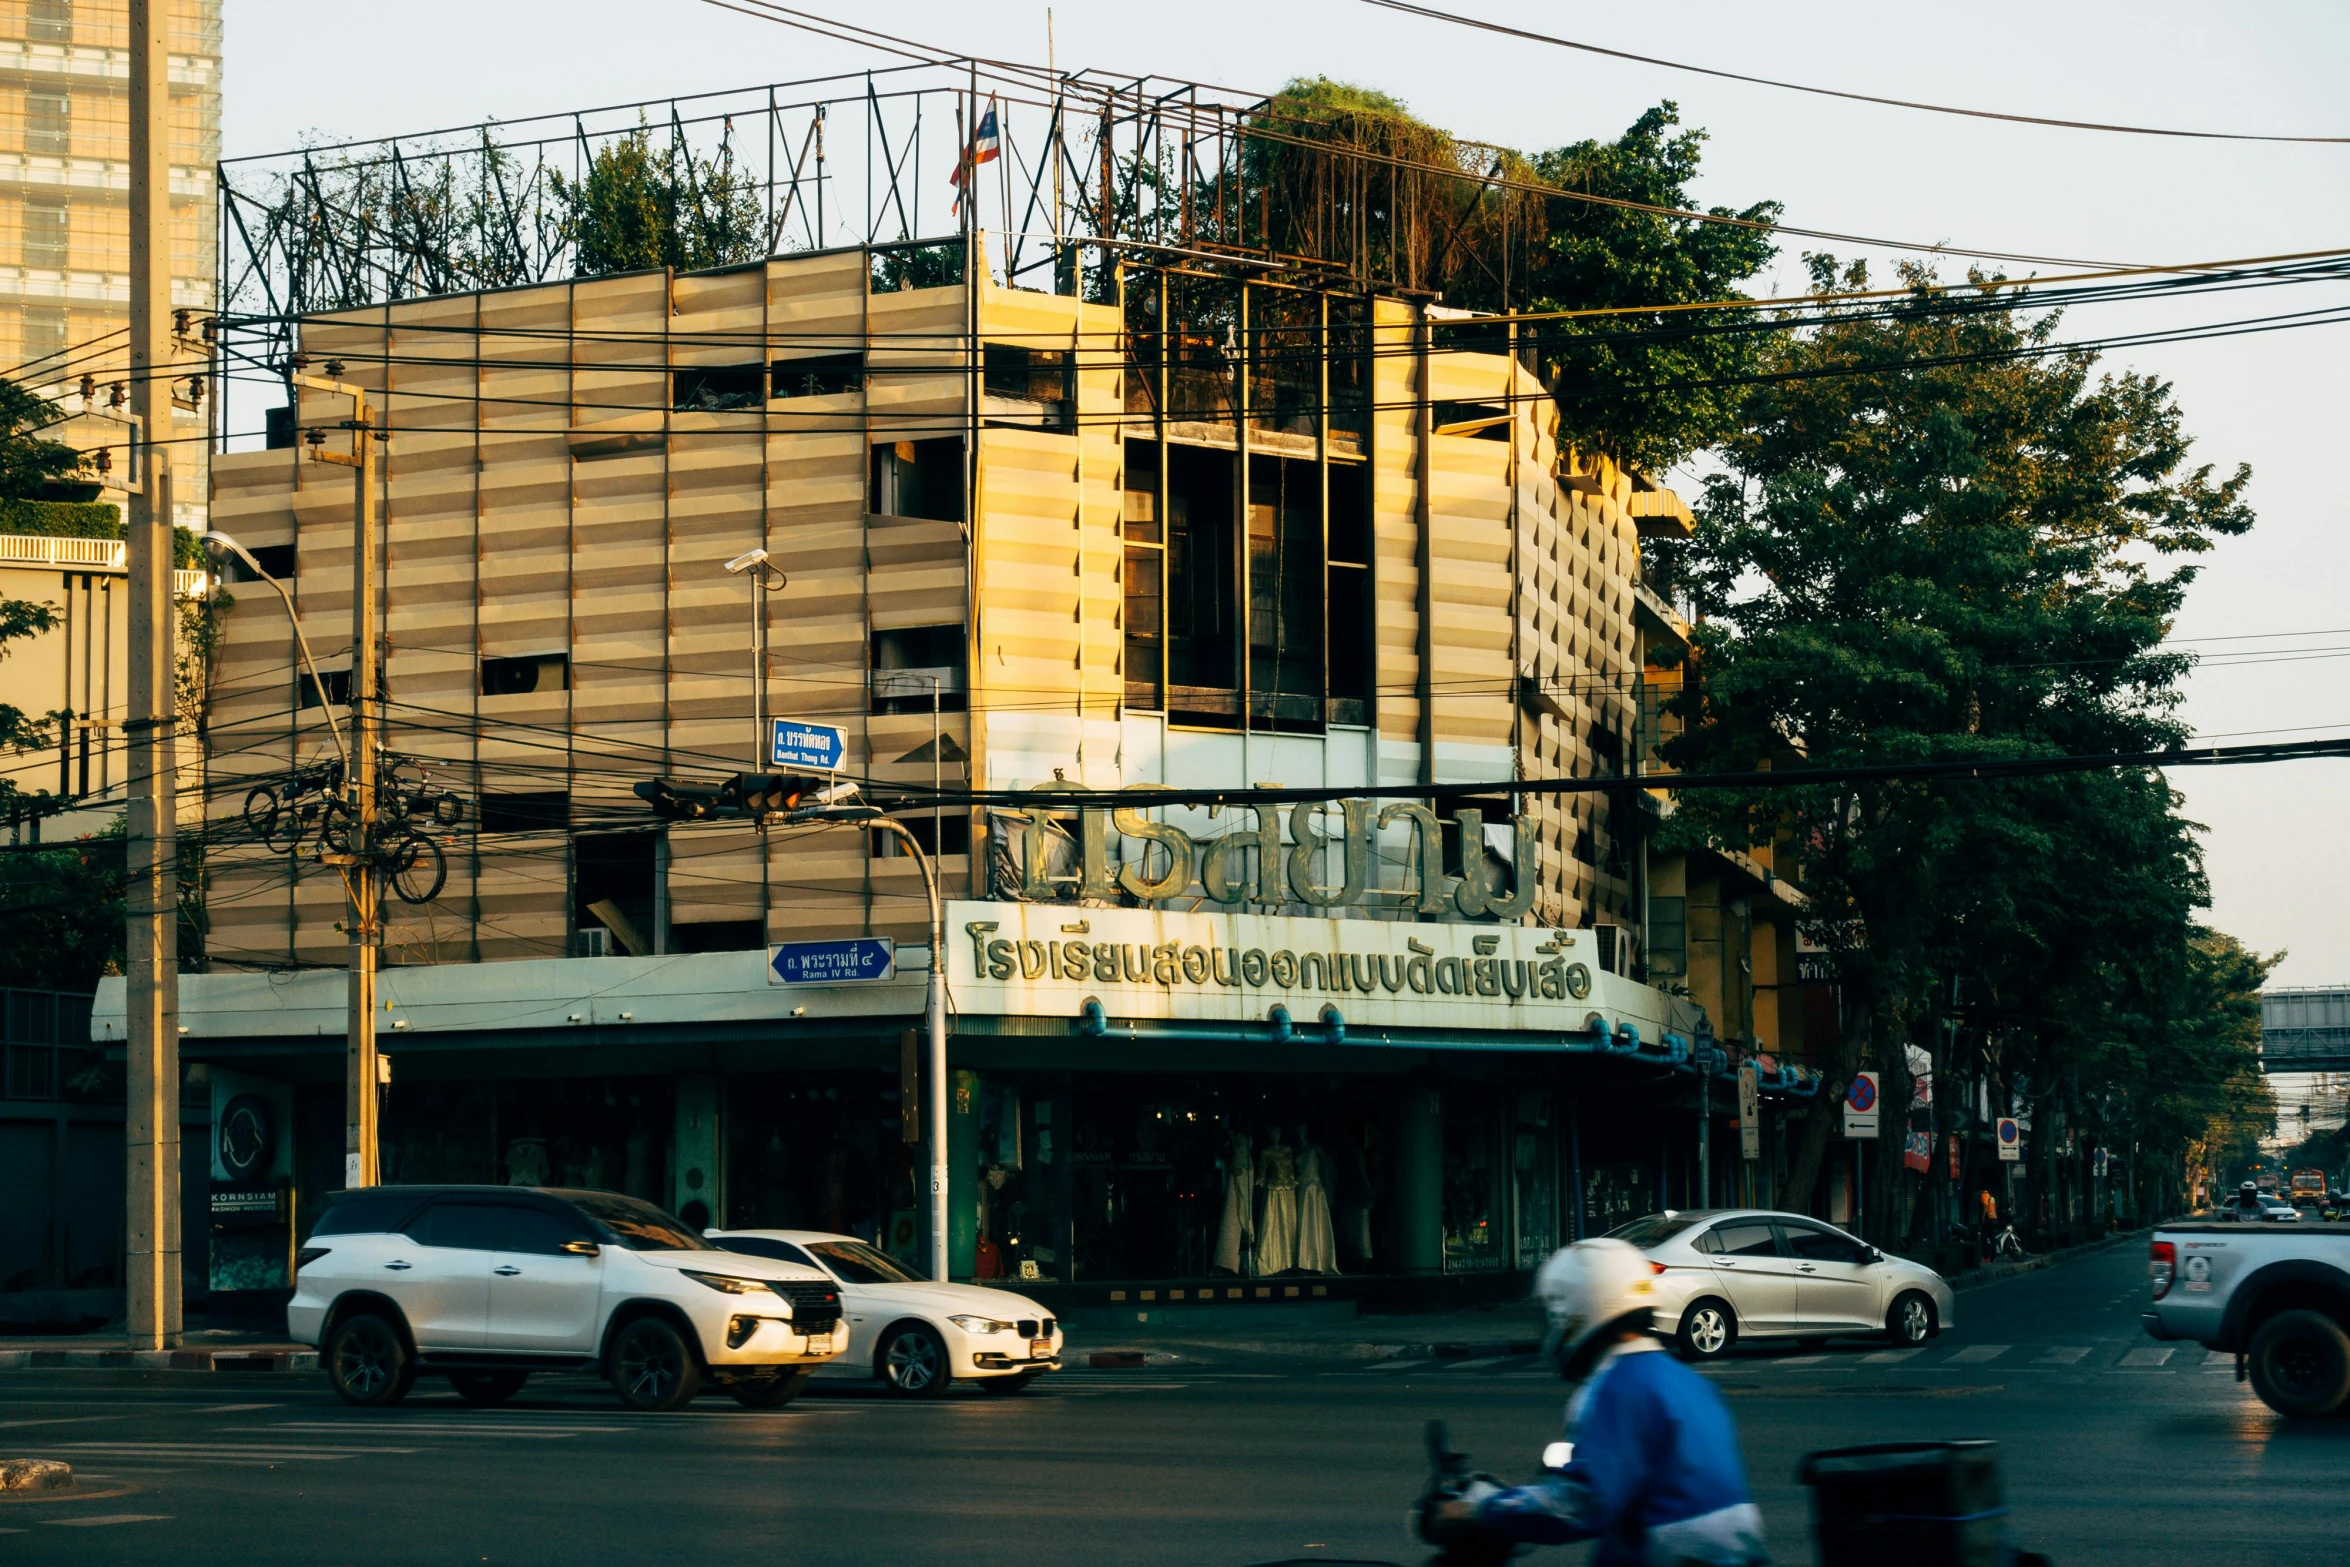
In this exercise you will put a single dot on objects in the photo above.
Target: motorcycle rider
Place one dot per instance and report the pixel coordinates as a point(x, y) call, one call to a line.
point(1653, 1471)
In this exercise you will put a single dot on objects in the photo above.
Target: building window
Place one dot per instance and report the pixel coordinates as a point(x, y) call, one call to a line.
point(612, 888)
point(526, 674)
point(48, 122)
point(276, 560)
point(543, 810)
point(1352, 651)
point(918, 479)
point(1035, 387)
point(49, 21)
point(718, 936)
point(1285, 589)
point(821, 375)
point(717, 388)
point(912, 661)
point(47, 235)
point(1668, 935)
point(1143, 575)
point(331, 688)
point(952, 829)
point(1202, 590)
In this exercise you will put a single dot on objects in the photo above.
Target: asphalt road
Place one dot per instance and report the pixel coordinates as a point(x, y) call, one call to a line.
point(2116, 1450)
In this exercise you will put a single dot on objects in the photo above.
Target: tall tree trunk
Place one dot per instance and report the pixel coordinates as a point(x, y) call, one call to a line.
point(1827, 1117)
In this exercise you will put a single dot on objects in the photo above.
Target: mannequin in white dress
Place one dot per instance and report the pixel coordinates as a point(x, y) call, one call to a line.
point(1277, 1231)
point(1237, 1228)
point(1317, 1240)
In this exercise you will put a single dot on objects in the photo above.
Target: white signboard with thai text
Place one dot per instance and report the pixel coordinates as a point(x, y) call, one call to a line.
point(1048, 960)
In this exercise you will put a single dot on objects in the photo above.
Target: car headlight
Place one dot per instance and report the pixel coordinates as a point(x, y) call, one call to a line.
point(980, 1325)
point(727, 1284)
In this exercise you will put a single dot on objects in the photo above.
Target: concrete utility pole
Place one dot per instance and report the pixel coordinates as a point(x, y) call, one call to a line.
point(151, 1124)
point(361, 1067)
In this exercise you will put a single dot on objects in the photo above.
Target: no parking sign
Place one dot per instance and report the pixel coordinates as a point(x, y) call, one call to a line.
point(2011, 1140)
point(1860, 1105)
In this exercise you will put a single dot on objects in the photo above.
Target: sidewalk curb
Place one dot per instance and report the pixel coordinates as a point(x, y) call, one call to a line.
point(1975, 1278)
point(282, 1361)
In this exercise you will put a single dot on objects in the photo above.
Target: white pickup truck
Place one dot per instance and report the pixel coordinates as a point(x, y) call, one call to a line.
point(2277, 1296)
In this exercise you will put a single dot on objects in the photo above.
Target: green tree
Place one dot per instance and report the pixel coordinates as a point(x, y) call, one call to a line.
point(31, 465)
point(638, 207)
point(1934, 541)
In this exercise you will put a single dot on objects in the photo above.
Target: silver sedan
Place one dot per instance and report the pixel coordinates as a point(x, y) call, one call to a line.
point(1730, 1273)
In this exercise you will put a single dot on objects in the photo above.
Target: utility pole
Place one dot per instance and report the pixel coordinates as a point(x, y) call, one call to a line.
point(361, 1067)
point(151, 1121)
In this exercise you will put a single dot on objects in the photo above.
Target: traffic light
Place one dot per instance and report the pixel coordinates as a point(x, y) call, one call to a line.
point(676, 803)
point(757, 794)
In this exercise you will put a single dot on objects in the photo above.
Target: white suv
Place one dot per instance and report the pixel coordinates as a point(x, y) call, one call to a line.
point(486, 1284)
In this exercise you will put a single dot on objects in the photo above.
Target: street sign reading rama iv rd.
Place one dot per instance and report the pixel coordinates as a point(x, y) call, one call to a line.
point(1259, 864)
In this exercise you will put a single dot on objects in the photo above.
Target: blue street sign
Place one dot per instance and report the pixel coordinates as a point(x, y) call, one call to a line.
point(854, 961)
point(797, 744)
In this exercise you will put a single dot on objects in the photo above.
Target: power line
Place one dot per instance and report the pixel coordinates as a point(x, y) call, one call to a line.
point(1434, 15)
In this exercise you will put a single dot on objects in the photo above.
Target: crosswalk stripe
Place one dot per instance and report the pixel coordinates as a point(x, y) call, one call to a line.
point(2219, 1360)
point(431, 1428)
point(1803, 1360)
point(104, 1519)
point(1479, 1363)
point(2061, 1357)
point(1396, 1365)
point(2147, 1357)
point(224, 1450)
point(1976, 1354)
point(1888, 1357)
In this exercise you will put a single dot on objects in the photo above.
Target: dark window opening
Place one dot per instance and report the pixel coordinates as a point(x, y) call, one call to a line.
point(717, 388)
point(526, 674)
point(1202, 590)
point(329, 688)
point(1485, 421)
point(918, 479)
point(820, 375)
point(1353, 651)
point(718, 936)
point(1668, 935)
point(1285, 593)
point(1143, 574)
point(917, 266)
point(543, 810)
point(952, 829)
point(1493, 810)
point(612, 887)
point(277, 426)
point(1041, 383)
point(277, 560)
point(912, 661)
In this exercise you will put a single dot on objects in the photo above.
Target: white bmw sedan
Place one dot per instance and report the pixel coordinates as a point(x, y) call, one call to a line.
point(1727, 1274)
point(914, 1334)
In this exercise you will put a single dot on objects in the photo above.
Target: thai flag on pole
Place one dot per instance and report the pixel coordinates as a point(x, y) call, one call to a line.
point(986, 146)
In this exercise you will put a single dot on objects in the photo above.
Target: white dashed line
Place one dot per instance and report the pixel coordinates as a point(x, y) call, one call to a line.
point(1976, 1354)
point(1888, 1357)
point(2061, 1357)
point(105, 1519)
point(1803, 1360)
point(2147, 1357)
point(1478, 1364)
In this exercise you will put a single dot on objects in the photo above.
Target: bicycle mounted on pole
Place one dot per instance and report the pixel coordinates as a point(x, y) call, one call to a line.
point(309, 809)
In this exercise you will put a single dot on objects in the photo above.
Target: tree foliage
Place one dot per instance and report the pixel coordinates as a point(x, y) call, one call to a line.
point(1933, 541)
point(639, 206)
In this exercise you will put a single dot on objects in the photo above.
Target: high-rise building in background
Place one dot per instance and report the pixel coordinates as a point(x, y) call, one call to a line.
point(65, 194)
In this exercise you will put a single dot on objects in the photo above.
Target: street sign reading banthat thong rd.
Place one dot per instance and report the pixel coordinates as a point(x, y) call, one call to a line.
point(798, 744)
point(857, 960)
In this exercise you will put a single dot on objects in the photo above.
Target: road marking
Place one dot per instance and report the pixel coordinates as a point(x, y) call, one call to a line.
point(106, 1518)
point(1477, 1364)
point(1976, 1354)
point(231, 1409)
point(2147, 1357)
point(1396, 1365)
point(1888, 1357)
point(2220, 1360)
point(62, 1420)
point(2061, 1357)
point(230, 1450)
point(1803, 1360)
point(429, 1428)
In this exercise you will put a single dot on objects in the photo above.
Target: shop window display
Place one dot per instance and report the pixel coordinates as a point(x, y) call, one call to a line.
point(607, 1134)
point(821, 1151)
point(1474, 1218)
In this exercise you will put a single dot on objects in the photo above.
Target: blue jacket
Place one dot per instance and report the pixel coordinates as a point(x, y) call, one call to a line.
point(1655, 1475)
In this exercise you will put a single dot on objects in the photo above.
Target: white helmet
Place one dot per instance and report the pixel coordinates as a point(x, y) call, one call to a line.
point(1589, 1286)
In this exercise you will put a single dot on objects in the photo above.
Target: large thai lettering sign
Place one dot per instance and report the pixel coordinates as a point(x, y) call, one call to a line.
point(1012, 958)
point(1263, 864)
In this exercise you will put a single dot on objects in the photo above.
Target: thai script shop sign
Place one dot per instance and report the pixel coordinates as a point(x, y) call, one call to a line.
point(1049, 960)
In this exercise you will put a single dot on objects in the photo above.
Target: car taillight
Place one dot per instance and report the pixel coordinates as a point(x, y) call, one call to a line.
point(308, 1255)
point(2162, 1266)
point(1656, 1267)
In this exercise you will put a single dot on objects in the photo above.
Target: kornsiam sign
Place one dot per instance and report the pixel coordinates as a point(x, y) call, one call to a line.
point(1260, 865)
point(1052, 959)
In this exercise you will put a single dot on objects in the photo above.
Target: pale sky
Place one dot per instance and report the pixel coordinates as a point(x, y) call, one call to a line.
point(2277, 846)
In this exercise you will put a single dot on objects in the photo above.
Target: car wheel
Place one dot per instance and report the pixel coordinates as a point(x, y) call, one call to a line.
point(767, 1392)
point(367, 1363)
point(2300, 1364)
point(1911, 1321)
point(914, 1362)
point(1708, 1328)
point(1006, 1386)
point(487, 1387)
point(653, 1368)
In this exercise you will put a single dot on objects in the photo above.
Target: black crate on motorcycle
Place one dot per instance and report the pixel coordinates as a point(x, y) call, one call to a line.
point(1915, 1504)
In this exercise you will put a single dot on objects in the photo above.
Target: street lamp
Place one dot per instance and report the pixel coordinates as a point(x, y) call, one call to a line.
point(218, 543)
point(763, 574)
point(934, 1004)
